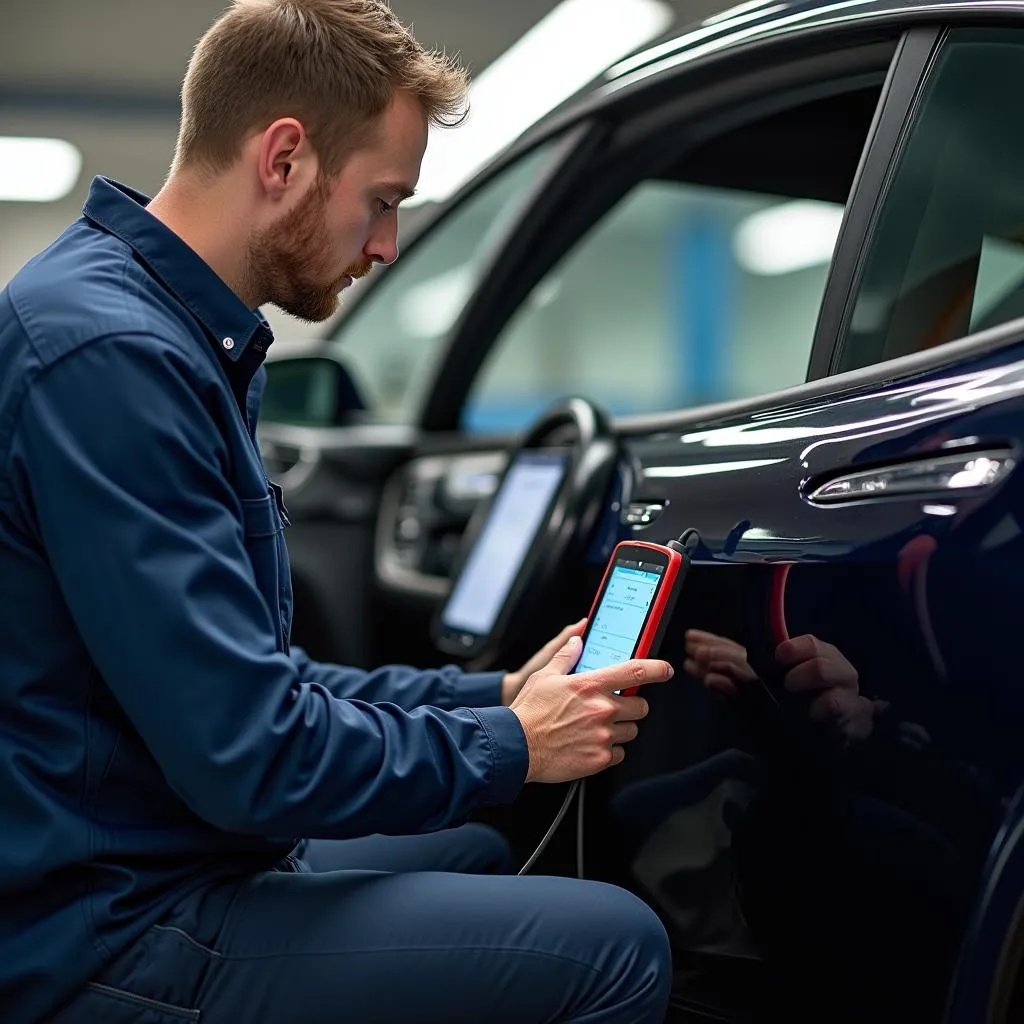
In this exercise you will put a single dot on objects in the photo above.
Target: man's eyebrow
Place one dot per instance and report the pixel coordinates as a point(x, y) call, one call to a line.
point(401, 191)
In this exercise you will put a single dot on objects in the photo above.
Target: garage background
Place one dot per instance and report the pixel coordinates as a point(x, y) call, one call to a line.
point(104, 75)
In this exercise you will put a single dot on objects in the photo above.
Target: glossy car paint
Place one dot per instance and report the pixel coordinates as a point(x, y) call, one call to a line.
point(860, 863)
point(807, 873)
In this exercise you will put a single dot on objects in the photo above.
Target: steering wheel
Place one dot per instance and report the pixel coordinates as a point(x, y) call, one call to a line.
point(585, 430)
point(582, 431)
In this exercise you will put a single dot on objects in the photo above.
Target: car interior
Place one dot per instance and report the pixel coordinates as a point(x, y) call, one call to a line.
point(947, 260)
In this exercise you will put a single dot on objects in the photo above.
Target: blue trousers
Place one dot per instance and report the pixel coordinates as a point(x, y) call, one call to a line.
point(391, 930)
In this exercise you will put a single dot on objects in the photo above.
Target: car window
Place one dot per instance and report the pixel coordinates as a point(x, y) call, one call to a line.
point(702, 284)
point(947, 254)
point(391, 338)
point(680, 296)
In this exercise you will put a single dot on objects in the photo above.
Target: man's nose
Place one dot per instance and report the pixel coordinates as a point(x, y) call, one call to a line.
point(383, 246)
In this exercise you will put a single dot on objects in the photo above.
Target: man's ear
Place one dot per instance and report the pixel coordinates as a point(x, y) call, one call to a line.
point(286, 159)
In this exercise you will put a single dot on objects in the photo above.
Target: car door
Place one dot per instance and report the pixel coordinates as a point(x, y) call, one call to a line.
point(794, 862)
point(582, 298)
point(379, 499)
point(857, 854)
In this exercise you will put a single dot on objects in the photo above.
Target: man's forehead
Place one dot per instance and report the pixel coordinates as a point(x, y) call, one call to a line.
point(395, 173)
point(402, 131)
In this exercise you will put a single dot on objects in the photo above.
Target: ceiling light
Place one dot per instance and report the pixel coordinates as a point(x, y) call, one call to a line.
point(37, 170)
point(788, 237)
point(556, 58)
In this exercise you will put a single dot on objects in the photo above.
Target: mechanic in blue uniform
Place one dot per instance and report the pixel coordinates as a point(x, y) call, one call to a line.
point(162, 749)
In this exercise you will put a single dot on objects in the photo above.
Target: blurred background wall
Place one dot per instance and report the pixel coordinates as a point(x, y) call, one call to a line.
point(104, 75)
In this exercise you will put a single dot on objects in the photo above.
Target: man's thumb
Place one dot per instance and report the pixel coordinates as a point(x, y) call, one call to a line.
point(567, 656)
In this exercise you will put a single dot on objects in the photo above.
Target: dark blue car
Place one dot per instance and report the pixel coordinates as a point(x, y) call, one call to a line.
point(764, 280)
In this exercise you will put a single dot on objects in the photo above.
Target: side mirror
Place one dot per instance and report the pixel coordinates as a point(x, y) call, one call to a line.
point(309, 391)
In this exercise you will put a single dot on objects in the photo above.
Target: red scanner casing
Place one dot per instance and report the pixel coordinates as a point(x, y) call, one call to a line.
point(676, 564)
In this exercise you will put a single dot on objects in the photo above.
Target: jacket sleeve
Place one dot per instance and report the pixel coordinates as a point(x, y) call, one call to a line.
point(120, 463)
point(409, 688)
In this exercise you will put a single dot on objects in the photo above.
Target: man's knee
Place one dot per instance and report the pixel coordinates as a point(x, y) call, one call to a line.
point(643, 948)
point(637, 963)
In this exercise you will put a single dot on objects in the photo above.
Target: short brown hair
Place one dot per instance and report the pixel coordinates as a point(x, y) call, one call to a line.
point(332, 64)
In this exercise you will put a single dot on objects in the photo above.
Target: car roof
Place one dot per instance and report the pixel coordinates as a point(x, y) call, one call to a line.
point(759, 19)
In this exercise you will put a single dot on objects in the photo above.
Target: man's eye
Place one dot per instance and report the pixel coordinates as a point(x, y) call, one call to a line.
point(384, 208)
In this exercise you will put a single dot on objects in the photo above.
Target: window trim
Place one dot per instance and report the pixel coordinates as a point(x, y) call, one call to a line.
point(734, 97)
point(839, 385)
point(894, 118)
point(454, 365)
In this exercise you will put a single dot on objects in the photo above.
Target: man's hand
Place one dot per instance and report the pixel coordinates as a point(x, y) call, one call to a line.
point(823, 672)
point(815, 668)
point(716, 661)
point(576, 725)
point(514, 681)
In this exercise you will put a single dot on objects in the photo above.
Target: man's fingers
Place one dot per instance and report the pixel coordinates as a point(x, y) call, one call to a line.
point(705, 645)
point(712, 680)
point(807, 677)
point(798, 649)
point(808, 647)
point(627, 674)
point(576, 629)
point(738, 670)
point(721, 684)
point(618, 754)
point(827, 708)
point(566, 656)
point(630, 709)
point(844, 710)
point(624, 732)
point(821, 674)
point(721, 668)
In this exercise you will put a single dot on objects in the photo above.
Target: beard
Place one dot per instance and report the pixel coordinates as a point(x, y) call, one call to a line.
point(289, 262)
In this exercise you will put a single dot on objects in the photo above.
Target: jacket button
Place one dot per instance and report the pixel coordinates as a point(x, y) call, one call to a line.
point(228, 343)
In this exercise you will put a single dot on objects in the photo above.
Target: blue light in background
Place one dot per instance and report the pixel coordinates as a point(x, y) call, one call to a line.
point(701, 292)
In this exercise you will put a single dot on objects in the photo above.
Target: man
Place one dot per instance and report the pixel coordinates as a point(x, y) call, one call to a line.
point(161, 747)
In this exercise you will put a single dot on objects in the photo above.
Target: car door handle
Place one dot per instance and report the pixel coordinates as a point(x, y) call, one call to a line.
point(960, 473)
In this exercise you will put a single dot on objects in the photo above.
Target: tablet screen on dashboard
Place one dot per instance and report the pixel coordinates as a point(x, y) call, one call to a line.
point(512, 526)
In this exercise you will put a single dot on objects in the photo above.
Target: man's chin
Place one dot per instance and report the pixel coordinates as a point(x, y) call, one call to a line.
point(312, 309)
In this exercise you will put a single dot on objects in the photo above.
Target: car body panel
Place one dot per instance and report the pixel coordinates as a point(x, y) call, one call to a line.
point(919, 593)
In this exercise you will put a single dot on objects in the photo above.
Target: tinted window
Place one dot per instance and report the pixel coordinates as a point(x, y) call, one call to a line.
point(947, 257)
point(702, 284)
